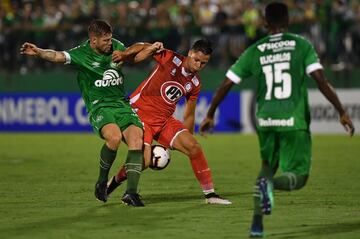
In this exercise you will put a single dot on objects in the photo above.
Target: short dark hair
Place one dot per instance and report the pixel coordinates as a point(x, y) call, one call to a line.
point(203, 45)
point(277, 14)
point(99, 28)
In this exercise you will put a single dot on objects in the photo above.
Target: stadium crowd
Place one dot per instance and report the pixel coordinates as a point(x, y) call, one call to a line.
point(332, 26)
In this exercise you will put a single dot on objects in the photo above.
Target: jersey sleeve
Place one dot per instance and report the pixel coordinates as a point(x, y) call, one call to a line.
point(241, 68)
point(163, 56)
point(118, 45)
point(311, 59)
point(73, 56)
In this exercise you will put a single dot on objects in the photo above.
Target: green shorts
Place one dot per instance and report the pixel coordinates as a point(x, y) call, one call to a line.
point(291, 150)
point(121, 117)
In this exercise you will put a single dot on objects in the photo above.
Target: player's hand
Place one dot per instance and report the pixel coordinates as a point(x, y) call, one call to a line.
point(29, 49)
point(157, 47)
point(118, 56)
point(347, 123)
point(206, 125)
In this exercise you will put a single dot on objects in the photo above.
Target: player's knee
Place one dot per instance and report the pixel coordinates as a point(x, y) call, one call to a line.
point(138, 143)
point(114, 141)
point(194, 148)
point(134, 138)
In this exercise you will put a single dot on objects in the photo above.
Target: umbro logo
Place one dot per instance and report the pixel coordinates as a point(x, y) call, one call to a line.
point(95, 64)
point(173, 72)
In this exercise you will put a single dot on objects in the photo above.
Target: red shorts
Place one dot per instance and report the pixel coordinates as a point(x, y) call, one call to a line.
point(164, 134)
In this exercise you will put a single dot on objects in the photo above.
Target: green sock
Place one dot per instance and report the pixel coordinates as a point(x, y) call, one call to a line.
point(107, 157)
point(133, 168)
point(289, 181)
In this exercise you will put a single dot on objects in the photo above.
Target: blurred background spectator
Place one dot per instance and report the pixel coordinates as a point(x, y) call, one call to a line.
point(332, 26)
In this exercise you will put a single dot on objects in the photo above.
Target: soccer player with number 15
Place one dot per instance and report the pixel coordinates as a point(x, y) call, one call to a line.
point(279, 63)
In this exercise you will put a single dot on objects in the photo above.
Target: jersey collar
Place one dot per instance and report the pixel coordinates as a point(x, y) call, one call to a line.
point(277, 35)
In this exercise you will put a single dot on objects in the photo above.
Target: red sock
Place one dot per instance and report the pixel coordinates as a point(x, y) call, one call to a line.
point(121, 176)
point(202, 171)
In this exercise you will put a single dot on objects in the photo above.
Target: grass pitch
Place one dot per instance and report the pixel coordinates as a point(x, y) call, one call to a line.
point(47, 186)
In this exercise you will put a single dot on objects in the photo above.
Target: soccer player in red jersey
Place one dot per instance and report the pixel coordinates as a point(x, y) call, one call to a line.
point(175, 76)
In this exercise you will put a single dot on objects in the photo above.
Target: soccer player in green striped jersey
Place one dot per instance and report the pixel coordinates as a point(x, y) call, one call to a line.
point(280, 63)
point(101, 84)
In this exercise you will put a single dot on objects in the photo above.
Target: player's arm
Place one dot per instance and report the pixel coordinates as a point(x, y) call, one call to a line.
point(137, 52)
point(148, 51)
point(46, 54)
point(189, 115)
point(129, 53)
point(218, 96)
point(328, 91)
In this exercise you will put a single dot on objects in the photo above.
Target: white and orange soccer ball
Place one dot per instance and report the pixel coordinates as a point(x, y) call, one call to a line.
point(160, 157)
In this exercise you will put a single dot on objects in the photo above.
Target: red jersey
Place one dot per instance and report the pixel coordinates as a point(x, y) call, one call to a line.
point(155, 99)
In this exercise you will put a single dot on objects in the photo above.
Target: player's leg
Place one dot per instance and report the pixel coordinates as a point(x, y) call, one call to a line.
point(112, 135)
point(174, 135)
point(295, 160)
point(121, 176)
point(134, 138)
point(187, 144)
point(103, 123)
point(263, 198)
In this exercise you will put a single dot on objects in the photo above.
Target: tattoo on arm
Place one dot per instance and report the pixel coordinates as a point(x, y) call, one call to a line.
point(51, 55)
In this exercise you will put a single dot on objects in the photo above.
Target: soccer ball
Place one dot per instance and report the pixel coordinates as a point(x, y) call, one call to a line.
point(160, 157)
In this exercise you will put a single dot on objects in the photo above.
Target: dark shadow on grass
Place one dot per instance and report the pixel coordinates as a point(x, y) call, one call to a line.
point(182, 197)
point(319, 230)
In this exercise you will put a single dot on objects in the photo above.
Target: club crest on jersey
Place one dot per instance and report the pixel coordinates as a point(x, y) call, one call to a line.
point(176, 61)
point(172, 91)
point(110, 78)
point(99, 118)
point(173, 72)
point(195, 81)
